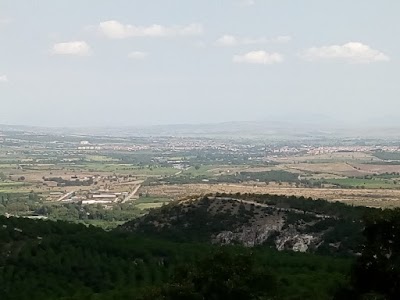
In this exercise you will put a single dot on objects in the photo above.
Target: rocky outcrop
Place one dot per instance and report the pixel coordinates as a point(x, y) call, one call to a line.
point(248, 236)
point(289, 239)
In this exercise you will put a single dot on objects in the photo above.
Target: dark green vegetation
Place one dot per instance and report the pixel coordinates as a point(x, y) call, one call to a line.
point(59, 260)
point(376, 274)
point(250, 219)
point(385, 155)
point(239, 274)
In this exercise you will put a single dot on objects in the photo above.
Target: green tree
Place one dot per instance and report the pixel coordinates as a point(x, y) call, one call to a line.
point(377, 272)
point(223, 275)
point(3, 177)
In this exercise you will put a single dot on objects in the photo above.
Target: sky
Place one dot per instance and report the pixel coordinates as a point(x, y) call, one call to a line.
point(127, 62)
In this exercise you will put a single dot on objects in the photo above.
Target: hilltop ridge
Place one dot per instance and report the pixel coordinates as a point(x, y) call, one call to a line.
point(281, 222)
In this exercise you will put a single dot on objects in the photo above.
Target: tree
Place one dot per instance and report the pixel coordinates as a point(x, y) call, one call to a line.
point(223, 275)
point(377, 271)
point(3, 177)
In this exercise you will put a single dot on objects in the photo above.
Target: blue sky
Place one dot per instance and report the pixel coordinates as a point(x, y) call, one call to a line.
point(120, 63)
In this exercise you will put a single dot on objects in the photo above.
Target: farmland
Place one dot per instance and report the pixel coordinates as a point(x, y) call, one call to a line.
point(108, 180)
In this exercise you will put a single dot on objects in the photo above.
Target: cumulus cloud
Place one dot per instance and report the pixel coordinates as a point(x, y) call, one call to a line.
point(258, 57)
point(231, 40)
point(247, 2)
point(352, 52)
point(139, 55)
point(227, 40)
point(115, 30)
point(78, 48)
point(3, 79)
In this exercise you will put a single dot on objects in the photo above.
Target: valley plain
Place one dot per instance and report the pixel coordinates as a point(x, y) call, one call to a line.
point(107, 180)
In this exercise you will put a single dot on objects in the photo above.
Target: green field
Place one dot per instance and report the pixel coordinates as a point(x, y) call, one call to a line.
point(145, 206)
point(149, 199)
point(201, 171)
point(145, 203)
point(12, 187)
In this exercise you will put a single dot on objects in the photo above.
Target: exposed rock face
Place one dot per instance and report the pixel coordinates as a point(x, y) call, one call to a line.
point(249, 236)
point(295, 241)
point(289, 239)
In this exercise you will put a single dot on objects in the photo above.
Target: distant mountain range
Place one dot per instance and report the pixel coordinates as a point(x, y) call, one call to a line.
point(313, 128)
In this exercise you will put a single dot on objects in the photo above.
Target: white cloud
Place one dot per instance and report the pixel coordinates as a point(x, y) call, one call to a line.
point(352, 52)
point(139, 55)
point(3, 79)
point(227, 40)
point(78, 48)
point(282, 39)
point(231, 40)
point(258, 57)
point(247, 2)
point(116, 30)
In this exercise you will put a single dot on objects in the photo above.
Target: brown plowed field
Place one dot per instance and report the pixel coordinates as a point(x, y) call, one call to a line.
point(366, 197)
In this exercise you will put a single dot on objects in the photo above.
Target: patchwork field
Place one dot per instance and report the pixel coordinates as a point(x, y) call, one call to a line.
point(366, 197)
point(333, 168)
point(378, 168)
point(106, 180)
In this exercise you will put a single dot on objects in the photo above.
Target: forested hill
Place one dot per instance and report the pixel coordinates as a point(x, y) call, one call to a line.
point(59, 260)
point(281, 222)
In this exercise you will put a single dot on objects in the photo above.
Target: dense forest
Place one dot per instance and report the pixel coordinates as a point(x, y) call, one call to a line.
point(60, 260)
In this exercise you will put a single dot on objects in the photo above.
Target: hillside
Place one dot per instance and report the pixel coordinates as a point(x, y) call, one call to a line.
point(284, 223)
point(169, 255)
point(59, 260)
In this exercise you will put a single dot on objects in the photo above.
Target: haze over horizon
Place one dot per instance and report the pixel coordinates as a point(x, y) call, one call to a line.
point(130, 63)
